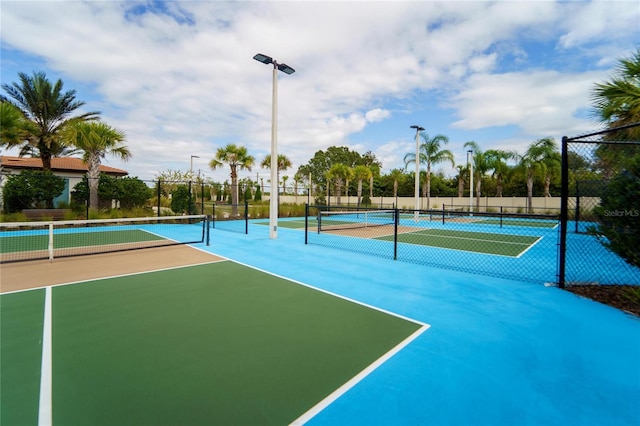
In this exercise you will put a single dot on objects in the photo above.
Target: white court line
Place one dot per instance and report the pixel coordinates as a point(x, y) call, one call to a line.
point(530, 247)
point(45, 417)
point(329, 399)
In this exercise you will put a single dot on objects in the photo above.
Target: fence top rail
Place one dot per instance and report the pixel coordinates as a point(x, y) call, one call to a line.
point(602, 132)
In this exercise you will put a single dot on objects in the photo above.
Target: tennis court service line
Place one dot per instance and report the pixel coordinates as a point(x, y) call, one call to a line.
point(45, 417)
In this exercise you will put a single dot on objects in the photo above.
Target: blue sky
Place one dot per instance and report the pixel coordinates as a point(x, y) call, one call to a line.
point(179, 79)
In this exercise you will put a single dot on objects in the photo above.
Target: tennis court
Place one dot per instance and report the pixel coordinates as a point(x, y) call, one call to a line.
point(498, 351)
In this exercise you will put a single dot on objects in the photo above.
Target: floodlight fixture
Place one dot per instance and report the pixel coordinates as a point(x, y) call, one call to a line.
point(263, 58)
point(286, 68)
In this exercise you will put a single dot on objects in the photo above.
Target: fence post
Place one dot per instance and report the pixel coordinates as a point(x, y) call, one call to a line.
point(246, 216)
point(396, 219)
point(564, 194)
point(306, 223)
point(159, 195)
point(88, 198)
point(189, 207)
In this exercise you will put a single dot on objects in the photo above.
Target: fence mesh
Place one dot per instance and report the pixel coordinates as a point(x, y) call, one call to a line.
point(601, 208)
point(506, 245)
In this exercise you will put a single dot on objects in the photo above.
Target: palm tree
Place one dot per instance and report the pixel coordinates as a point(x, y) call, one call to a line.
point(480, 168)
point(552, 163)
point(532, 162)
point(283, 164)
point(96, 140)
point(14, 129)
point(48, 109)
point(463, 176)
point(397, 175)
point(361, 173)
point(430, 154)
point(496, 160)
point(236, 157)
point(339, 174)
point(617, 102)
point(285, 178)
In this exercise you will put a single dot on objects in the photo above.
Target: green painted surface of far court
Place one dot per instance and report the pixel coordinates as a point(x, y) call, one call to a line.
point(478, 242)
point(220, 343)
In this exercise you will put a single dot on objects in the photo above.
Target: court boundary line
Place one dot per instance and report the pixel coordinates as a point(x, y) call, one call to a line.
point(530, 247)
point(222, 259)
point(336, 394)
point(45, 400)
point(353, 381)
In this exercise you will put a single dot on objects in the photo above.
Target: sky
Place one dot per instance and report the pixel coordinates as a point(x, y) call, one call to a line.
point(179, 80)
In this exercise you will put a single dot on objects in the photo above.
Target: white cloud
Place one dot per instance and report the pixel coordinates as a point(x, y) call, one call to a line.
point(540, 102)
point(376, 115)
point(180, 81)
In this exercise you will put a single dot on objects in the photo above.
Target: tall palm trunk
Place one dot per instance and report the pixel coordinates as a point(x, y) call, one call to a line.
point(547, 185)
point(478, 188)
point(499, 186)
point(93, 177)
point(234, 191)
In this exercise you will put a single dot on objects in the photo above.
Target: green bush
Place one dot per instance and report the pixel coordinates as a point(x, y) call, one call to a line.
point(181, 201)
point(31, 189)
point(619, 214)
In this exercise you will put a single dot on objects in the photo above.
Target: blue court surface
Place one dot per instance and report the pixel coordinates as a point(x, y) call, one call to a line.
point(498, 352)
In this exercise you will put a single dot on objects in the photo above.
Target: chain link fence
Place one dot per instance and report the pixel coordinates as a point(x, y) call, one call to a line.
point(600, 209)
point(518, 246)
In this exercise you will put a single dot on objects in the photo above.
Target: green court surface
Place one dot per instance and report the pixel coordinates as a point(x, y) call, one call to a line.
point(292, 224)
point(13, 244)
point(220, 343)
point(478, 242)
point(524, 223)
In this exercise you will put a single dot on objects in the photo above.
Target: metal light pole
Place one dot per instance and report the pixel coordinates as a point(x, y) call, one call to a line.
point(273, 198)
point(191, 166)
point(470, 162)
point(416, 195)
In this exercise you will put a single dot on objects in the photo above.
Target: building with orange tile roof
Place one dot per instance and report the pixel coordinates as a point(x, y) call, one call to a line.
point(71, 168)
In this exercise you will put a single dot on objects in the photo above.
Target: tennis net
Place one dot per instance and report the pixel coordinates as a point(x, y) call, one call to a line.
point(48, 240)
point(331, 220)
